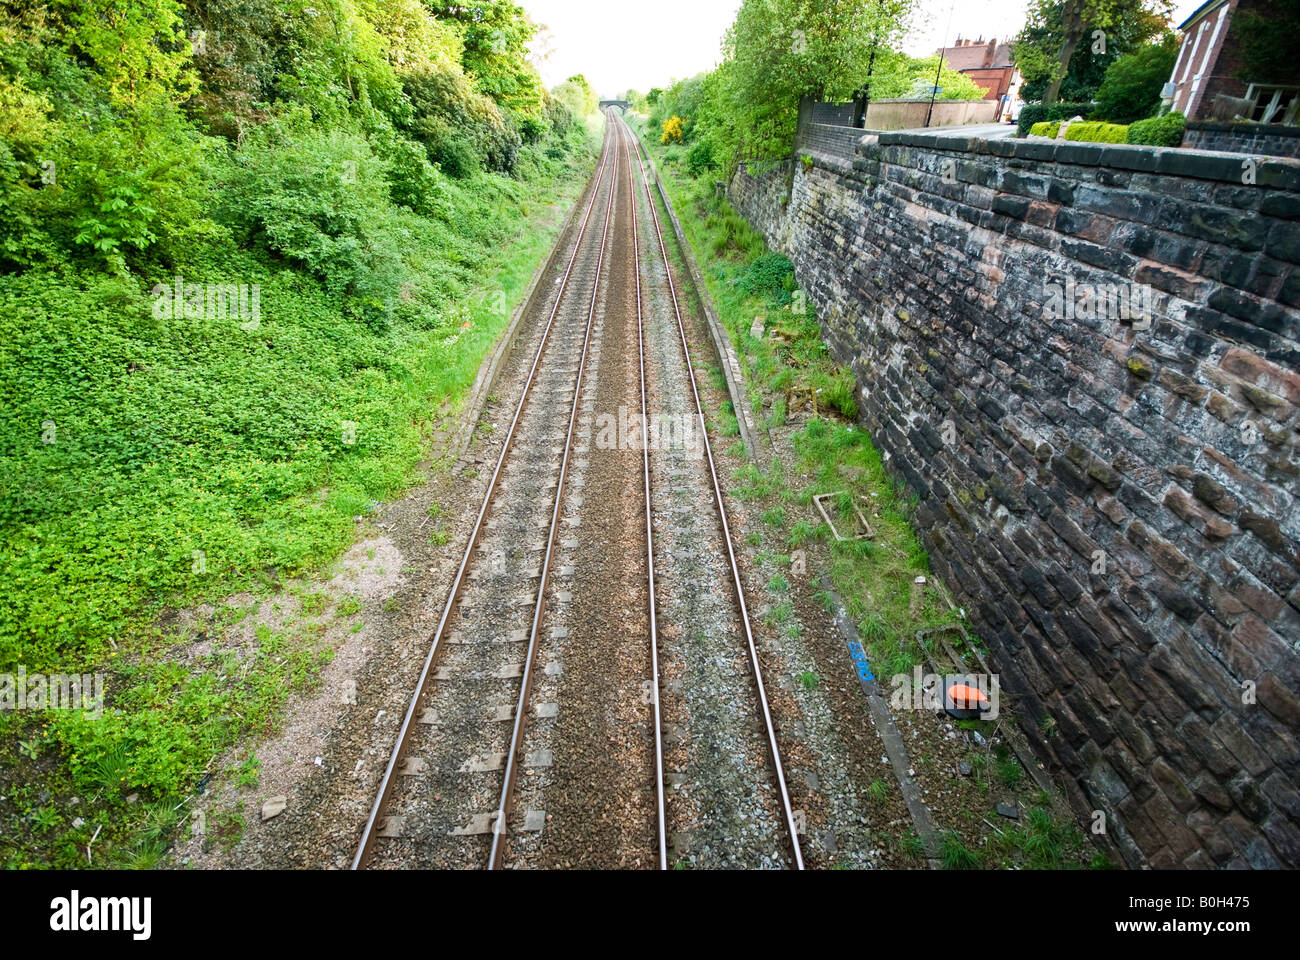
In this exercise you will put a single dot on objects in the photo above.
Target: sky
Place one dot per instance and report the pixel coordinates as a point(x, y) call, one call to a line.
point(618, 44)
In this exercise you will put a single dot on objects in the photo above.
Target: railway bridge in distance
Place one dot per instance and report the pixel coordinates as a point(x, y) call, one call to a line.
point(621, 104)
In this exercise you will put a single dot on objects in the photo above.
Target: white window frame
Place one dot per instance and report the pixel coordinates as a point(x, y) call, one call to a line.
point(1278, 110)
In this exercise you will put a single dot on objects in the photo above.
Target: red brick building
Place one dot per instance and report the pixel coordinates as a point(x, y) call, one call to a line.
point(1207, 81)
point(987, 63)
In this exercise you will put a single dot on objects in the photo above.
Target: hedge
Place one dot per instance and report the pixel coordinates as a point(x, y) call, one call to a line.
point(1166, 131)
point(1032, 113)
point(1046, 129)
point(1098, 132)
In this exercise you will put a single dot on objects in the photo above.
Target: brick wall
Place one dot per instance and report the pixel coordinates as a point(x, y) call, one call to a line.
point(828, 138)
point(1115, 499)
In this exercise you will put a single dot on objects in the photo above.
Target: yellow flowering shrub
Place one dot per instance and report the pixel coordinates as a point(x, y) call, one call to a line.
point(672, 130)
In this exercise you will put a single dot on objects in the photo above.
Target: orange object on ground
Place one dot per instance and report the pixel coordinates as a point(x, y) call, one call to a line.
point(966, 697)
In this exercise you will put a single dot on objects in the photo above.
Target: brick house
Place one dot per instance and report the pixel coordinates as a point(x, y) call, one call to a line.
point(1207, 83)
point(988, 64)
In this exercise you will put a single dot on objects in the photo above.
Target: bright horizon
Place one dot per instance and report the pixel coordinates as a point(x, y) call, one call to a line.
point(673, 39)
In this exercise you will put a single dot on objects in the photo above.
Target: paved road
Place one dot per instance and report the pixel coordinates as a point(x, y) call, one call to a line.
point(988, 131)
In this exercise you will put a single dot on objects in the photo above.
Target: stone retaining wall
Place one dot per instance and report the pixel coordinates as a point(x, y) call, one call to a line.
point(1085, 359)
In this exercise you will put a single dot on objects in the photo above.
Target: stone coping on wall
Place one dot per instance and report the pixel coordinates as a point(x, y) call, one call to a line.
point(1246, 129)
point(1278, 172)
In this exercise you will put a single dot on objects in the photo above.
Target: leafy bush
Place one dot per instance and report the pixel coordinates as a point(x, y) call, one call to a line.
point(1046, 129)
point(898, 76)
point(456, 157)
point(672, 130)
point(1166, 131)
point(413, 181)
point(1097, 132)
point(1131, 88)
point(686, 100)
point(577, 95)
point(320, 198)
point(25, 129)
point(770, 276)
point(700, 159)
point(120, 188)
point(1032, 113)
point(462, 129)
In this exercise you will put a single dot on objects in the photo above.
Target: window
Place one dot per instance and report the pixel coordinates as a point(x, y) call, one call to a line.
point(1271, 104)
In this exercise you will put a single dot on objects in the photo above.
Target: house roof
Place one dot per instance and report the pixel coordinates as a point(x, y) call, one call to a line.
point(979, 56)
point(1201, 11)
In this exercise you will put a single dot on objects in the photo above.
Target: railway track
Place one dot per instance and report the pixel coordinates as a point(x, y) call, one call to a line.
point(759, 688)
point(449, 795)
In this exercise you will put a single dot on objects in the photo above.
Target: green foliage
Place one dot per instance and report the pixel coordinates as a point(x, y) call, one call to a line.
point(153, 456)
point(1009, 772)
point(1057, 29)
point(1131, 88)
point(1033, 113)
point(956, 855)
point(771, 276)
point(413, 182)
point(1265, 38)
point(138, 47)
point(495, 35)
point(25, 131)
point(778, 51)
point(577, 94)
point(1166, 131)
point(898, 76)
point(1097, 132)
point(340, 63)
point(685, 99)
point(838, 393)
point(320, 198)
point(1046, 129)
point(699, 159)
point(463, 130)
point(126, 186)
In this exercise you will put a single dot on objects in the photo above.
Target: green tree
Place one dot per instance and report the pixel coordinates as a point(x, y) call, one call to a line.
point(1062, 55)
point(496, 35)
point(898, 76)
point(1131, 89)
point(578, 95)
point(138, 46)
point(779, 51)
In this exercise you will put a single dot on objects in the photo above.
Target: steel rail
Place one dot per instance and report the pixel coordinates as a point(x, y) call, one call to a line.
point(773, 748)
point(500, 828)
point(649, 538)
point(366, 846)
